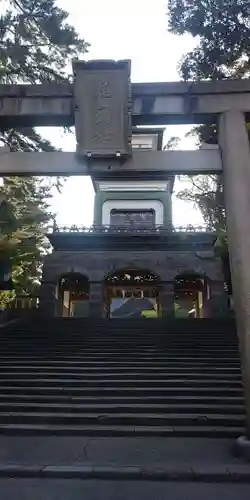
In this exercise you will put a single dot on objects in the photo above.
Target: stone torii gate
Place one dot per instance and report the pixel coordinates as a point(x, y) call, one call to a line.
point(104, 105)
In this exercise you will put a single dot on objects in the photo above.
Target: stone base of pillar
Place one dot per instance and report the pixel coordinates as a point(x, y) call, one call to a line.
point(95, 310)
point(167, 312)
point(241, 448)
point(219, 307)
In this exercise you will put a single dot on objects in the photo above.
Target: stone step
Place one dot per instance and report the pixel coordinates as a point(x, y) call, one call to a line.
point(132, 407)
point(52, 369)
point(124, 382)
point(146, 329)
point(116, 400)
point(127, 349)
point(144, 338)
point(126, 342)
point(111, 328)
point(136, 419)
point(45, 330)
point(164, 472)
point(123, 357)
point(103, 358)
point(125, 325)
point(121, 430)
point(152, 340)
point(150, 333)
point(136, 342)
point(137, 375)
point(126, 391)
point(48, 364)
point(140, 354)
point(108, 365)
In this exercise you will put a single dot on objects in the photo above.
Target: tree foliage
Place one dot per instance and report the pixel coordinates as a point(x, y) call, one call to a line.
point(172, 143)
point(207, 192)
point(24, 221)
point(223, 31)
point(37, 45)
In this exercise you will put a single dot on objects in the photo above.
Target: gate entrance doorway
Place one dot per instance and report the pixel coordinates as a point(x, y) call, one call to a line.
point(73, 295)
point(132, 293)
point(192, 294)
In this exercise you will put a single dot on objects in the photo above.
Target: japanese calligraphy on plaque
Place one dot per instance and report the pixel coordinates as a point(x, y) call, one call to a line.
point(102, 116)
point(104, 127)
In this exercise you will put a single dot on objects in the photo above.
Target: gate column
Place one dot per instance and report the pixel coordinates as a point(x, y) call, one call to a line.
point(96, 305)
point(167, 299)
point(217, 305)
point(234, 143)
point(48, 303)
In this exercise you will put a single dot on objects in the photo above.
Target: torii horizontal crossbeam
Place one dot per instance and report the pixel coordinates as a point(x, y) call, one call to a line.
point(145, 165)
point(153, 103)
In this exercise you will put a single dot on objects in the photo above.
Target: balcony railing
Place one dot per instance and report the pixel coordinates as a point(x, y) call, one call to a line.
point(130, 229)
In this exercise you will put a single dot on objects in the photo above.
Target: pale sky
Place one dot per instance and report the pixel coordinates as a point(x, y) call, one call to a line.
point(123, 29)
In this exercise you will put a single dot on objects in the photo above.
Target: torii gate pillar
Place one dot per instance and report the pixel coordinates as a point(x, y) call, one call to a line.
point(234, 144)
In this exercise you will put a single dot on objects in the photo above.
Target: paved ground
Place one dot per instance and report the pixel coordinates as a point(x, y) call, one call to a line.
point(28, 489)
point(73, 468)
point(60, 450)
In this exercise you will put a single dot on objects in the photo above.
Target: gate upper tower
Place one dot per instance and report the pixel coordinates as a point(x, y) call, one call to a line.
point(136, 203)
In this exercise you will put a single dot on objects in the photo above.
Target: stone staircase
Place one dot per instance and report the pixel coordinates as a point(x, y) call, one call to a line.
point(121, 378)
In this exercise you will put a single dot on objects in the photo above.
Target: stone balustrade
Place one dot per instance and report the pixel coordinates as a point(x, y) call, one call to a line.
point(128, 229)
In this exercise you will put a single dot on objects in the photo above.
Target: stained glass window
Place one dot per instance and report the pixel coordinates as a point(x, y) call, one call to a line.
point(131, 217)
